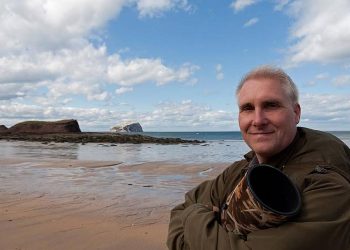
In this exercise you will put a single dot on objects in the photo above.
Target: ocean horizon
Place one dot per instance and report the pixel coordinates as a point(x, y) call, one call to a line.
point(219, 135)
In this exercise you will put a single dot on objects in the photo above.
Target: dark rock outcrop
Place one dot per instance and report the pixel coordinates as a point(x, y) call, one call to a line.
point(87, 137)
point(43, 127)
point(3, 128)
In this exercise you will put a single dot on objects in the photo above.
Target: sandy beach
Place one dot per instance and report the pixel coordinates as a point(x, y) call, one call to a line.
point(74, 204)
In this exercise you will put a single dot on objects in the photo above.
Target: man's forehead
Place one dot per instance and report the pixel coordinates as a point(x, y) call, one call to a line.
point(263, 82)
point(263, 95)
point(262, 90)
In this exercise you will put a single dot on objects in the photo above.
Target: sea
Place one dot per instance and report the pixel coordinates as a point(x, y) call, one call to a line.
point(218, 147)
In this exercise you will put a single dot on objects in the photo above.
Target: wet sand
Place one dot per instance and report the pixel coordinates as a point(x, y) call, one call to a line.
point(71, 204)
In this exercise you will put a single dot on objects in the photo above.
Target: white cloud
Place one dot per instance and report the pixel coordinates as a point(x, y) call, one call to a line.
point(49, 25)
point(156, 7)
point(43, 25)
point(83, 72)
point(46, 44)
point(321, 31)
point(85, 63)
point(123, 90)
point(184, 114)
point(325, 111)
point(187, 115)
point(280, 4)
point(142, 70)
point(251, 22)
point(342, 80)
point(10, 91)
point(322, 76)
point(219, 73)
point(218, 67)
point(25, 69)
point(89, 118)
point(220, 76)
point(239, 5)
point(90, 91)
point(318, 78)
point(62, 72)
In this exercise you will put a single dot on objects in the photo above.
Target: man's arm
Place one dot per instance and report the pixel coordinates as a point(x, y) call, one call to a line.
point(194, 224)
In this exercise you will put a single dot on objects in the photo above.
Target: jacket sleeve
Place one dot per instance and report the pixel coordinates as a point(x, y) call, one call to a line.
point(193, 224)
point(323, 224)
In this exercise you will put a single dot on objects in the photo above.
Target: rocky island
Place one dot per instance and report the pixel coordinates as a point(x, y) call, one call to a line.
point(134, 127)
point(69, 131)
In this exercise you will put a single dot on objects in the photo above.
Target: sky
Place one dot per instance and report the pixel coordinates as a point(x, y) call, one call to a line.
point(171, 65)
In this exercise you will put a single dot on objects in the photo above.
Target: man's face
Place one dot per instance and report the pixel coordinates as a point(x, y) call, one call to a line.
point(267, 117)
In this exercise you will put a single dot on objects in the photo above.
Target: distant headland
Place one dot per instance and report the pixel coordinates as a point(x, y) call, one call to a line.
point(69, 131)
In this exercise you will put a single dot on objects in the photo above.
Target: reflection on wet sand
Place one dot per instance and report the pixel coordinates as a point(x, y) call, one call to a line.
point(56, 204)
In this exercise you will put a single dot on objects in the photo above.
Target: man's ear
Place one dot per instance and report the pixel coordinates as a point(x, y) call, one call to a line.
point(297, 112)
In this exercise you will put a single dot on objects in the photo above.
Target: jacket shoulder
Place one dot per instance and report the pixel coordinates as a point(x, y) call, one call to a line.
point(324, 149)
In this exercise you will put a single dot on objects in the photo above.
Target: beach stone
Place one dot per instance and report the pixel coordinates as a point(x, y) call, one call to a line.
point(45, 127)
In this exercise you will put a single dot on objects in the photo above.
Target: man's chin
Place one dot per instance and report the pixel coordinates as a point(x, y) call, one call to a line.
point(262, 138)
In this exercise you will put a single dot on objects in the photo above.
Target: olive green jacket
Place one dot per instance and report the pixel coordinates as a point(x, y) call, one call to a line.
point(319, 165)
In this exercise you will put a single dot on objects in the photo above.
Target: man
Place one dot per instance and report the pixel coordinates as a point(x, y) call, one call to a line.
point(317, 163)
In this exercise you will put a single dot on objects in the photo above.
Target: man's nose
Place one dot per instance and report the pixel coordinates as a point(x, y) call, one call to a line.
point(259, 118)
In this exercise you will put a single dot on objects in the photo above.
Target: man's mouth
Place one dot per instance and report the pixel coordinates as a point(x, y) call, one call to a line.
point(261, 133)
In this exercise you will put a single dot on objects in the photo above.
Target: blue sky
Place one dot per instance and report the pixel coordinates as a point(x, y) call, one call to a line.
point(171, 65)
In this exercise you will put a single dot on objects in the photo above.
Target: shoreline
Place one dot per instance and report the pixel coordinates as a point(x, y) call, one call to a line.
point(74, 204)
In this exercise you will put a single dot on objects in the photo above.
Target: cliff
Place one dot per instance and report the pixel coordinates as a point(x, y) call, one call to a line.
point(43, 127)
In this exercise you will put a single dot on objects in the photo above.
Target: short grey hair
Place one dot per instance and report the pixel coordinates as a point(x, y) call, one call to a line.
point(270, 72)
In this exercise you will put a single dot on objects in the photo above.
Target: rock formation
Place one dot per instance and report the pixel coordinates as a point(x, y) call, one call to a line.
point(69, 131)
point(132, 127)
point(94, 137)
point(3, 128)
point(43, 127)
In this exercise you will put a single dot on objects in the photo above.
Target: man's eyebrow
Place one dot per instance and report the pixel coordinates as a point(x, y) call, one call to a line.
point(272, 101)
point(245, 105)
